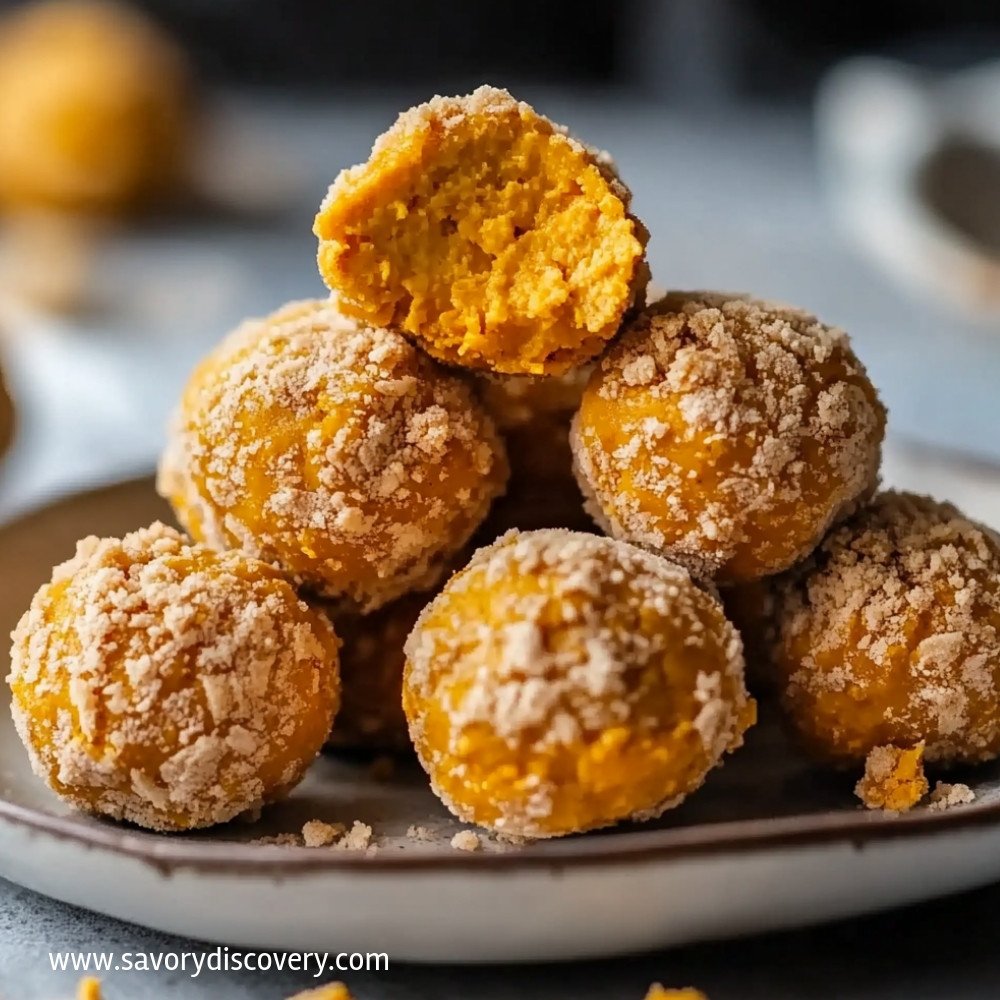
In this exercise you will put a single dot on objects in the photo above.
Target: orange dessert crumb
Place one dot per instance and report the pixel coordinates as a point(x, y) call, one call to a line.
point(486, 233)
point(332, 991)
point(889, 634)
point(89, 989)
point(658, 992)
point(564, 681)
point(894, 778)
point(336, 451)
point(727, 434)
point(162, 683)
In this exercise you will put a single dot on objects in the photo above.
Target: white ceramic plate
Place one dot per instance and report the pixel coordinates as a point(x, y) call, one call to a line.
point(768, 843)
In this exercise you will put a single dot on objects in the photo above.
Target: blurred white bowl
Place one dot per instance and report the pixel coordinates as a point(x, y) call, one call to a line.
point(880, 126)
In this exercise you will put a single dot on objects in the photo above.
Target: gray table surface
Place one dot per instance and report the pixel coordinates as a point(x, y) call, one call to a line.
point(733, 203)
point(945, 950)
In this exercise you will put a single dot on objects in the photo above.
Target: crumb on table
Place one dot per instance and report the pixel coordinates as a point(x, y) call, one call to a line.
point(894, 778)
point(465, 840)
point(332, 991)
point(658, 992)
point(88, 989)
point(419, 833)
point(947, 796)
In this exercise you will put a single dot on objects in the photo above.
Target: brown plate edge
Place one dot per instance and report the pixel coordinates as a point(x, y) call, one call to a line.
point(857, 829)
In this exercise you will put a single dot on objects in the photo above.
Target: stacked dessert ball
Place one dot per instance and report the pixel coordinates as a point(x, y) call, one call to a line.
point(401, 471)
point(96, 110)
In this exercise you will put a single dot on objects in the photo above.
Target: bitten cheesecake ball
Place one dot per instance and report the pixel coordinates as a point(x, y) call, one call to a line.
point(94, 108)
point(371, 670)
point(159, 682)
point(486, 233)
point(336, 451)
point(563, 682)
point(728, 434)
point(890, 635)
point(533, 415)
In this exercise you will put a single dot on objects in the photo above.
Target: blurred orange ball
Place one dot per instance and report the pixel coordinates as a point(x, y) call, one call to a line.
point(94, 108)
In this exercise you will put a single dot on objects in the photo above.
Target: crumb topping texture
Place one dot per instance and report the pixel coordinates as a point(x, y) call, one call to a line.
point(485, 232)
point(336, 451)
point(727, 433)
point(159, 682)
point(890, 634)
point(563, 682)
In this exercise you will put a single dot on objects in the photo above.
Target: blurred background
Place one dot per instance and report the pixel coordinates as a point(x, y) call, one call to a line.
point(160, 166)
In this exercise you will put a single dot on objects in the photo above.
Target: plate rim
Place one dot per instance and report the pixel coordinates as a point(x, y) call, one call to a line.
point(858, 828)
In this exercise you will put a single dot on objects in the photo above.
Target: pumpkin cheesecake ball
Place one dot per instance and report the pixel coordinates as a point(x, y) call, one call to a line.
point(563, 682)
point(159, 682)
point(727, 434)
point(94, 108)
point(889, 635)
point(487, 234)
point(533, 415)
point(750, 607)
point(521, 401)
point(337, 451)
point(371, 670)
